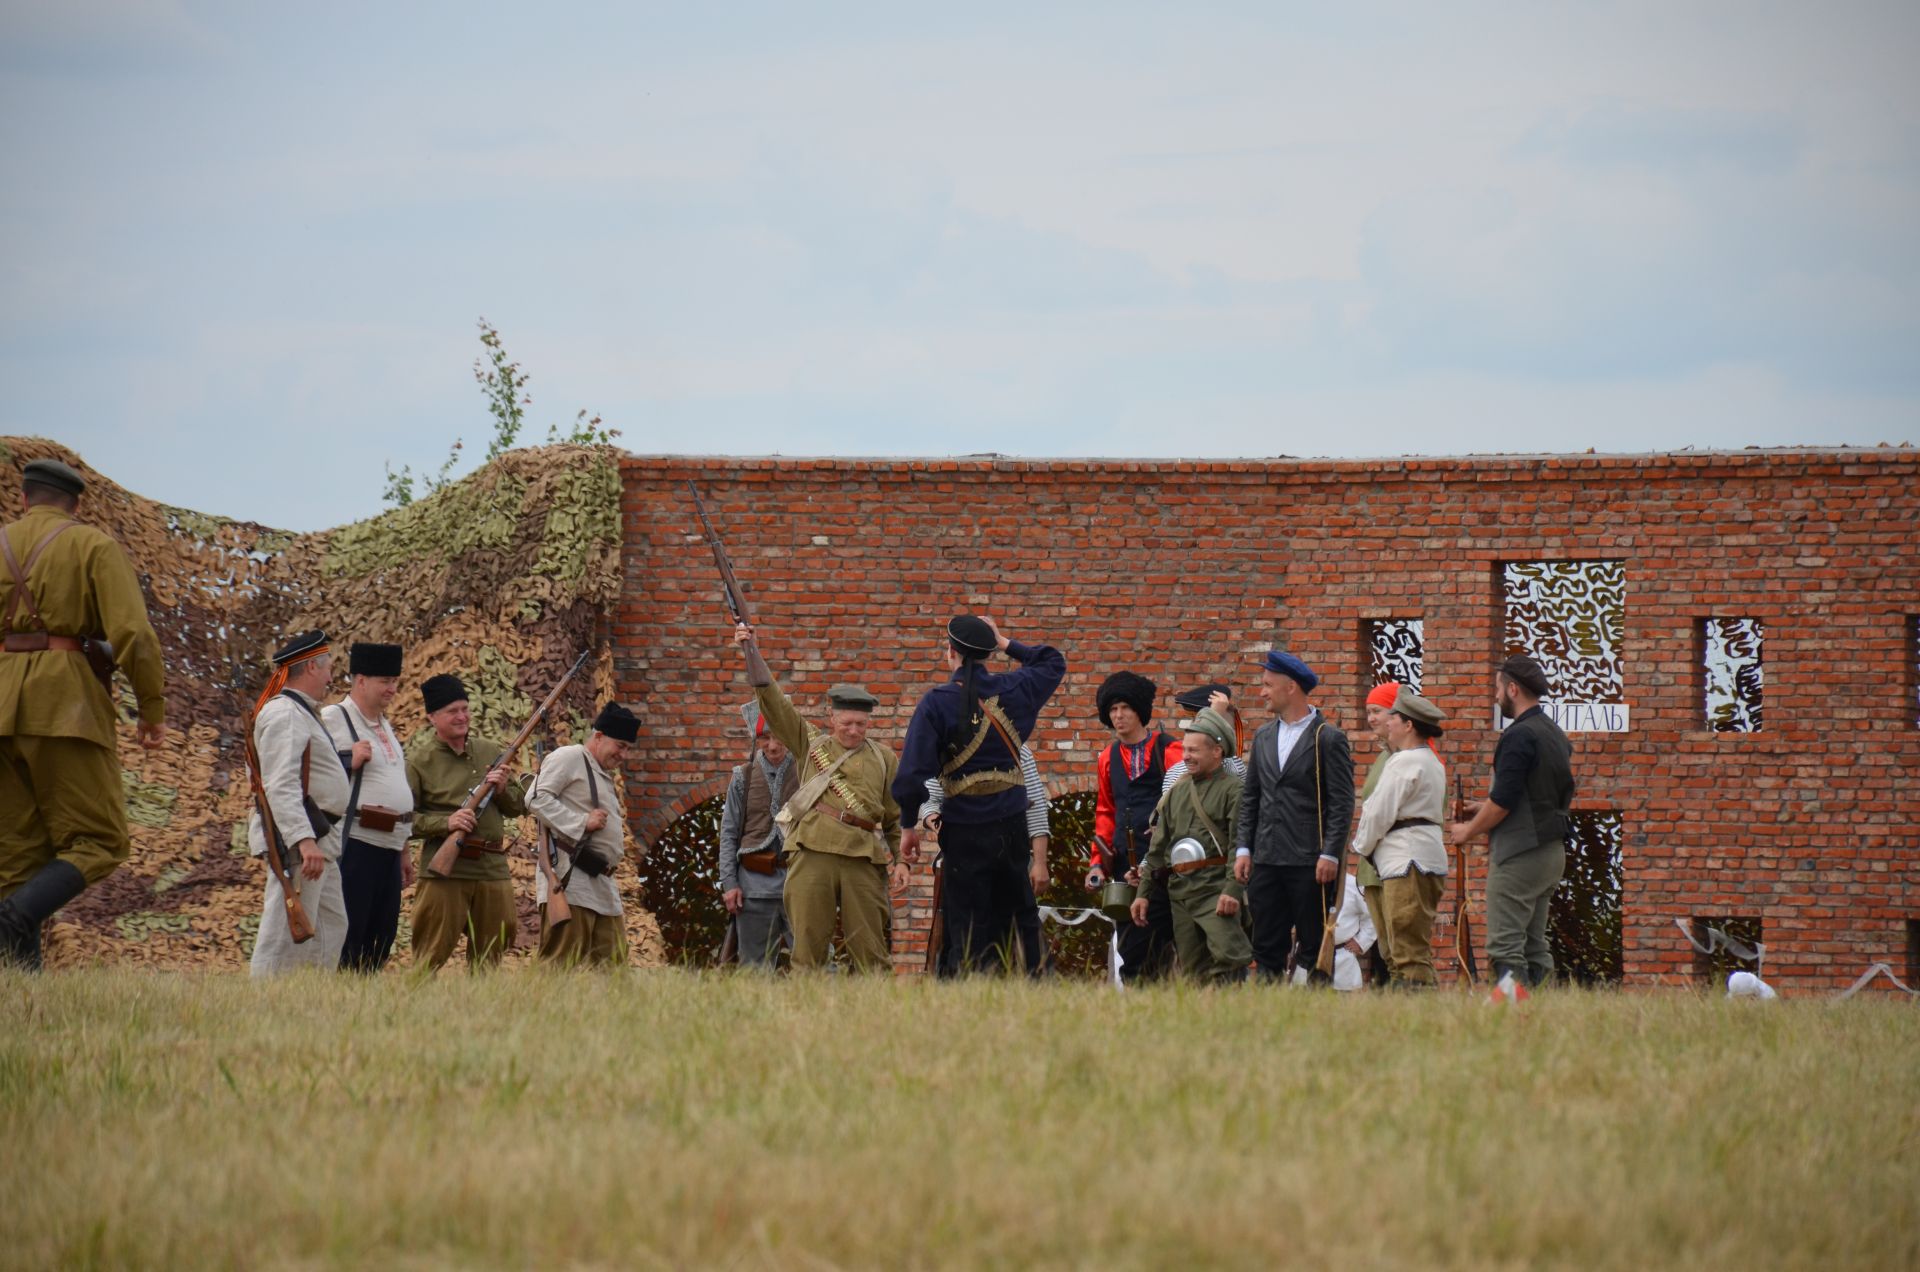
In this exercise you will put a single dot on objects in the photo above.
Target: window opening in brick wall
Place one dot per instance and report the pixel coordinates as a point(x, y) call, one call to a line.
point(1731, 674)
point(1739, 935)
point(680, 878)
point(1913, 667)
point(1583, 923)
point(1571, 617)
point(1396, 650)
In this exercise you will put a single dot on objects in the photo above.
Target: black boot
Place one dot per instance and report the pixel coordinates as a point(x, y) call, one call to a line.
point(21, 914)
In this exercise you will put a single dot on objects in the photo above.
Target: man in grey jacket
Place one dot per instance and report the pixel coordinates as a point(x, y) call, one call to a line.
point(1296, 809)
point(753, 870)
point(1525, 820)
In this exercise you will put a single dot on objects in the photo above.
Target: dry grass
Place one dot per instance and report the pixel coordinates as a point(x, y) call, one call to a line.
point(668, 1119)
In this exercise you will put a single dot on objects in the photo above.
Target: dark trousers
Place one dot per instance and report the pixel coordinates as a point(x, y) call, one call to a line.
point(370, 880)
point(1146, 953)
point(985, 887)
point(1289, 914)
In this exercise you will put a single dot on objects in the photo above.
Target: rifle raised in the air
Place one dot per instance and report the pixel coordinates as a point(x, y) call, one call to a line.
point(757, 671)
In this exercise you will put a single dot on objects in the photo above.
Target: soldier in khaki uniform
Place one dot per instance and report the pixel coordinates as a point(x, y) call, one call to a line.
point(1203, 807)
point(576, 800)
point(63, 813)
point(845, 835)
point(444, 763)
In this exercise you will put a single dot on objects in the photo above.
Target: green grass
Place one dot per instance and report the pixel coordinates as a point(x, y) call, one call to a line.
point(670, 1119)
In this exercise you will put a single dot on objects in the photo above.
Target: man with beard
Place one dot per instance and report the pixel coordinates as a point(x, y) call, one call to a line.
point(1525, 819)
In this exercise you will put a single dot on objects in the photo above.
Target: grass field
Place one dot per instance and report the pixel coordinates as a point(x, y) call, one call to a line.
point(671, 1119)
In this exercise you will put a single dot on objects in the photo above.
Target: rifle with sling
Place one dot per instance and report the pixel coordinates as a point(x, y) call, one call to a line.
point(1462, 920)
point(476, 802)
point(1337, 895)
point(544, 853)
point(299, 926)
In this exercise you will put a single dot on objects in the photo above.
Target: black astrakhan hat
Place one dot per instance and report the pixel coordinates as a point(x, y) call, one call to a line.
point(305, 645)
point(373, 660)
point(56, 475)
point(617, 722)
point(971, 637)
point(442, 691)
point(1125, 686)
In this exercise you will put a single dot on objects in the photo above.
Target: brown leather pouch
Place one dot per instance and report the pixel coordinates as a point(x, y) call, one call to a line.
point(766, 863)
point(374, 817)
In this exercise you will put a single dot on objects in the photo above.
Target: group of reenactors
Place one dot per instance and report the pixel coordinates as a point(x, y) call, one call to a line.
point(1216, 858)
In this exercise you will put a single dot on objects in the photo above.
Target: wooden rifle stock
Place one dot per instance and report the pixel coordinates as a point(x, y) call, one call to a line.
point(558, 911)
point(937, 927)
point(299, 926)
point(758, 672)
point(480, 796)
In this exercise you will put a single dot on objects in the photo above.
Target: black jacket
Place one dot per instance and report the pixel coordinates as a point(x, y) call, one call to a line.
point(1282, 819)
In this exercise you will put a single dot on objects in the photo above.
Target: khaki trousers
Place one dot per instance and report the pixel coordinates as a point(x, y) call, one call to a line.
point(1519, 893)
point(1210, 946)
point(60, 798)
point(1409, 904)
point(587, 937)
point(482, 910)
point(823, 885)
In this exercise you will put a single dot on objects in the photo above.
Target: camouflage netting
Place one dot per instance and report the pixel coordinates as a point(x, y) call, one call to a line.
point(502, 578)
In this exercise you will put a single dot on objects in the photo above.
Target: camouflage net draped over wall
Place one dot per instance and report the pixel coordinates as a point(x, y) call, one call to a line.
point(502, 578)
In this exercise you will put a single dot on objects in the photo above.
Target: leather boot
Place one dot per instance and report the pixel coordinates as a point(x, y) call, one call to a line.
point(22, 914)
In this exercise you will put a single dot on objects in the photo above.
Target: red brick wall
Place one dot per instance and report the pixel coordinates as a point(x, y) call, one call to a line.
point(1189, 571)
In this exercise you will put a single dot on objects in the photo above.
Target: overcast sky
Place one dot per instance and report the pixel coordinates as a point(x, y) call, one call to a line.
point(243, 246)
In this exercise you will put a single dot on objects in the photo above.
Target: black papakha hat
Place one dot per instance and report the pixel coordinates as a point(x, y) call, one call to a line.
point(1526, 673)
point(971, 637)
point(442, 691)
point(305, 645)
point(54, 475)
point(617, 722)
point(1198, 699)
point(373, 660)
point(1125, 686)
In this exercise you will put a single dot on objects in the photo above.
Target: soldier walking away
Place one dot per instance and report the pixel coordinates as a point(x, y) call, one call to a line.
point(70, 607)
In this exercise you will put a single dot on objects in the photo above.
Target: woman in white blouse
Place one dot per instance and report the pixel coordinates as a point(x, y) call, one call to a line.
point(1400, 833)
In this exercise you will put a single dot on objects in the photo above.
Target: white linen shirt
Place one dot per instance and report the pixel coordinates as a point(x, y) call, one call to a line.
point(383, 778)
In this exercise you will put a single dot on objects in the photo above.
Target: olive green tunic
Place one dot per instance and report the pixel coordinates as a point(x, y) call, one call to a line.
point(441, 777)
point(60, 788)
point(85, 586)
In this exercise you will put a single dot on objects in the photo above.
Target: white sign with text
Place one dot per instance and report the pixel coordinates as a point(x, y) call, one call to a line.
point(1579, 717)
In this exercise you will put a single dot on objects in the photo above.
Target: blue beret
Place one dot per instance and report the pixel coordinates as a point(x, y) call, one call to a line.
point(1279, 660)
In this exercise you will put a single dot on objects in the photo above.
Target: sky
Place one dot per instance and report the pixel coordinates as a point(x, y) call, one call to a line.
point(244, 247)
